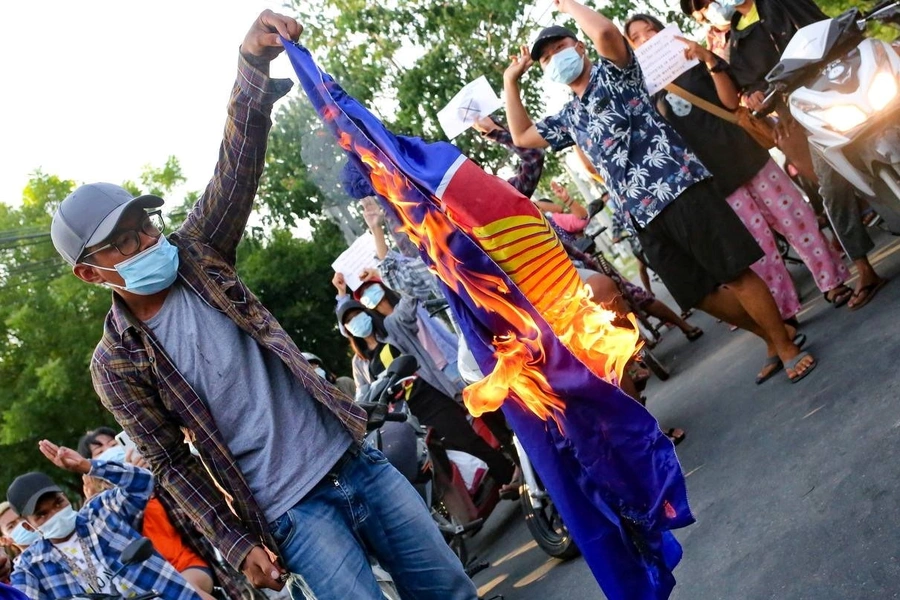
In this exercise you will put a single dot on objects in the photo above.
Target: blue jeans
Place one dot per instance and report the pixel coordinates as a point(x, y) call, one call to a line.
point(368, 505)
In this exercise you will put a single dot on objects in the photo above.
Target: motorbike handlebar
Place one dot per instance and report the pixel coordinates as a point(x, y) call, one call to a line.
point(396, 417)
point(771, 94)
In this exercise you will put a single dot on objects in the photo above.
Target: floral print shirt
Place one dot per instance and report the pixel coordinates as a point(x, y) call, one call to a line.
point(644, 162)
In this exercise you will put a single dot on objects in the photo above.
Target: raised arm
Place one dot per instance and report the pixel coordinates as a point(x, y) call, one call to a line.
point(521, 127)
point(603, 33)
point(375, 220)
point(531, 160)
point(726, 89)
point(220, 215)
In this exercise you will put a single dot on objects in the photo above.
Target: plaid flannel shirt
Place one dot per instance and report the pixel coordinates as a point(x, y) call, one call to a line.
point(107, 523)
point(230, 580)
point(139, 383)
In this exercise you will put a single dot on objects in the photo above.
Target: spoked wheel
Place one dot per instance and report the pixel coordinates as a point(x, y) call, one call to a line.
point(654, 364)
point(547, 527)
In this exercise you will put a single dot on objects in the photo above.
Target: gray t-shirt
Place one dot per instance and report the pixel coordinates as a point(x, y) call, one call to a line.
point(284, 441)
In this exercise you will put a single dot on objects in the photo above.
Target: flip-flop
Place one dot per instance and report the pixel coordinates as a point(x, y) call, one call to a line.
point(799, 340)
point(870, 291)
point(840, 299)
point(771, 361)
point(670, 433)
point(694, 334)
point(792, 364)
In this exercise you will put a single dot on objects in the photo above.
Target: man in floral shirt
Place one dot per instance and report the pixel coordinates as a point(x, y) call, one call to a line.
point(693, 240)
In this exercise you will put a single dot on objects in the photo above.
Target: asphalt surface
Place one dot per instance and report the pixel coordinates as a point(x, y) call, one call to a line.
point(794, 487)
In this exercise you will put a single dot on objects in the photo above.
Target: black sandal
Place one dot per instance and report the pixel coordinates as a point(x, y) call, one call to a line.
point(841, 298)
point(670, 433)
point(694, 334)
point(869, 291)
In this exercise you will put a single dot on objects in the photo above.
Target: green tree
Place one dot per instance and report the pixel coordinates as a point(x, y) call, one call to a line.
point(50, 323)
point(292, 278)
point(404, 61)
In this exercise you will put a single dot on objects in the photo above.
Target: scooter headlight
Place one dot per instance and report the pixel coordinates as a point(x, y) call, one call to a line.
point(842, 117)
point(882, 91)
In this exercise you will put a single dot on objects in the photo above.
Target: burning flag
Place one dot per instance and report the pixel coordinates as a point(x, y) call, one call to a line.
point(551, 355)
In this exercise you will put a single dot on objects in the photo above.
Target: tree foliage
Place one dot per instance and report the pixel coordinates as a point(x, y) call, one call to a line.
point(404, 61)
point(50, 323)
point(292, 278)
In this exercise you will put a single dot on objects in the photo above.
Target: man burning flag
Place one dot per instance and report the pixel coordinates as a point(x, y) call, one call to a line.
point(552, 356)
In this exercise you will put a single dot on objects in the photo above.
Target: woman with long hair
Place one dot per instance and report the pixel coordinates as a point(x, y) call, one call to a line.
point(757, 189)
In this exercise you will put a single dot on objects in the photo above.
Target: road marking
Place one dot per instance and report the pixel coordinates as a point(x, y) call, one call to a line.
point(812, 412)
point(517, 552)
point(538, 573)
point(490, 585)
point(692, 471)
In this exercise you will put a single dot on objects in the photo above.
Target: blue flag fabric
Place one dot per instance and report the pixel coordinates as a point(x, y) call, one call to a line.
point(610, 470)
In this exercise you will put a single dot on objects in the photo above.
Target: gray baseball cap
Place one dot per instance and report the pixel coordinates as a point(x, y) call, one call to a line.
point(25, 491)
point(90, 214)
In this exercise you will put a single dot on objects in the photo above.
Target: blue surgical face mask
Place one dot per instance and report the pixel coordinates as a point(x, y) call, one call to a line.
point(720, 13)
point(150, 271)
point(321, 372)
point(565, 66)
point(113, 454)
point(59, 526)
point(360, 325)
point(372, 296)
point(22, 537)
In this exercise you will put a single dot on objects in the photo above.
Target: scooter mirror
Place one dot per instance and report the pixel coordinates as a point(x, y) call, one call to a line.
point(137, 551)
point(403, 366)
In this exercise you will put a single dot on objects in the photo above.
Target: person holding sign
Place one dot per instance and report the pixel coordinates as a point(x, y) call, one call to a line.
point(660, 185)
point(698, 104)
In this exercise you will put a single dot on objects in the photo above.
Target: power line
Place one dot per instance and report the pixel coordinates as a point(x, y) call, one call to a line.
point(34, 266)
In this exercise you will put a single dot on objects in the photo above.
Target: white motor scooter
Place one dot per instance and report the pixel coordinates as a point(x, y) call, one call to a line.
point(842, 87)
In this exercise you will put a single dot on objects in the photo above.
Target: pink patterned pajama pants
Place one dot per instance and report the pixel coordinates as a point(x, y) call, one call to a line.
point(771, 201)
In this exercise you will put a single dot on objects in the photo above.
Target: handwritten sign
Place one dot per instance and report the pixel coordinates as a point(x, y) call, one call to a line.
point(360, 255)
point(476, 100)
point(662, 59)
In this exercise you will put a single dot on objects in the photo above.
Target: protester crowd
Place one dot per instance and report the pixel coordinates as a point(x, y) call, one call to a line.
point(248, 487)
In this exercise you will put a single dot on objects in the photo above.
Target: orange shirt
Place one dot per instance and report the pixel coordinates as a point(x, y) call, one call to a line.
point(166, 539)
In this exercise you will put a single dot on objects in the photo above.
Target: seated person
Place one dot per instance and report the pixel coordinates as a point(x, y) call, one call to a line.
point(101, 444)
point(571, 217)
point(77, 551)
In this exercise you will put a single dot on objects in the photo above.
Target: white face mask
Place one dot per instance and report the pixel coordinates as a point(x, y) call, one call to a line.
point(24, 537)
point(59, 526)
point(565, 66)
point(719, 13)
point(113, 454)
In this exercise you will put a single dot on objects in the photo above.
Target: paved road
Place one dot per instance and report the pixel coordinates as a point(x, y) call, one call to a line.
point(795, 487)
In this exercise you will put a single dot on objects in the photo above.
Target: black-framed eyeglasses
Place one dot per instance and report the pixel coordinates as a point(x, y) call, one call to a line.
point(129, 242)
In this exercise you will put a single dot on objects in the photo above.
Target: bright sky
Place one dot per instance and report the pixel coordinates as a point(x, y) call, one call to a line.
point(94, 90)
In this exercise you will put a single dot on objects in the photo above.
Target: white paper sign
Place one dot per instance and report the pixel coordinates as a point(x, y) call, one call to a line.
point(662, 59)
point(360, 255)
point(476, 100)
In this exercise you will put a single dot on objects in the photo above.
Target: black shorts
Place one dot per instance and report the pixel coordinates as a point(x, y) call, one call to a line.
point(698, 243)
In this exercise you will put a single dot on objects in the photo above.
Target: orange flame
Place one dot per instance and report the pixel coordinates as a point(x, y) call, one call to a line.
point(581, 325)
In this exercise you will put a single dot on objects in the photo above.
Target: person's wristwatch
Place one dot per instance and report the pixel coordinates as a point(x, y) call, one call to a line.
point(719, 67)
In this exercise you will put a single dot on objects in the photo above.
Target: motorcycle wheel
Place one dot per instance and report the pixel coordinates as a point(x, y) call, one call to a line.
point(658, 369)
point(547, 528)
